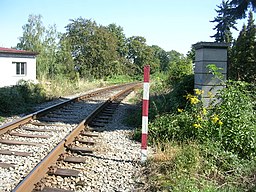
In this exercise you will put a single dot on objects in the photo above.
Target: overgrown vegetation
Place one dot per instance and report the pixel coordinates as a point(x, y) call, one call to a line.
point(22, 97)
point(18, 99)
point(202, 148)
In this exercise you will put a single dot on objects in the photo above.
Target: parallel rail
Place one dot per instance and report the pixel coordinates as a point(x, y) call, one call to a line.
point(30, 181)
point(24, 120)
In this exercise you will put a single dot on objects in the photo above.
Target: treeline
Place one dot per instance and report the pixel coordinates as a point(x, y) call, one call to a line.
point(90, 50)
point(242, 51)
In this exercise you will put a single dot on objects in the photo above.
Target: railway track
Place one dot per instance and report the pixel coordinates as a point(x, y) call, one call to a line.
point(36, 148)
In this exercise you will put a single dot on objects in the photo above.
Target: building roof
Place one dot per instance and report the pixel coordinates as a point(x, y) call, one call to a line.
point(15, 51)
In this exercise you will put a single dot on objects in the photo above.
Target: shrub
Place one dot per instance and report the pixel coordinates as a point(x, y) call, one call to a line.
point(31, 92)
point(236, 111)
point(179, 69)
point(230, 122)
point(17, 99)
point(11, 101)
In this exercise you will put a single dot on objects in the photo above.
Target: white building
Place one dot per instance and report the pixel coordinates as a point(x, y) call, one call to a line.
point(16, 65)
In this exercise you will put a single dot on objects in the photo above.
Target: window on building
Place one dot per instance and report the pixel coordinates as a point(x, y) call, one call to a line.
point(20, 68)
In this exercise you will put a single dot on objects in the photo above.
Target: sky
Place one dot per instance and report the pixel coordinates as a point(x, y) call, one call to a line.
point(170, 24)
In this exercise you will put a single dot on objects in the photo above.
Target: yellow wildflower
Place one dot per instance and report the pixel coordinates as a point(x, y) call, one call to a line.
point(199, 118)
point(180, 110)
point(215, 118)
point(204, 111)
point(220, 122)
point(196, 125)
point(189, 96)
point(198, 91)
point(194, 100)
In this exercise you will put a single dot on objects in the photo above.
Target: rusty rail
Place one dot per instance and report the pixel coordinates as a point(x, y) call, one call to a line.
point(21, 121)
point(30, 181)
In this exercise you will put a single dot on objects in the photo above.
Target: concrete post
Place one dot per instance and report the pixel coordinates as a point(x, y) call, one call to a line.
point(209, 53)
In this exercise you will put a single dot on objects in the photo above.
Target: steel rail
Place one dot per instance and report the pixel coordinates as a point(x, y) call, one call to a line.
point(24, 120)
point(30, 181)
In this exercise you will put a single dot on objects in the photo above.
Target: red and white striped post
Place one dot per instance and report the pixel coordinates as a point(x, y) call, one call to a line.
point(145, 104)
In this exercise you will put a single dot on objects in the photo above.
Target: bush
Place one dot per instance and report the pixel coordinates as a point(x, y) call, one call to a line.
point(31, 92)
point(236, 111)
point(179, 69)
point(17, 99)
point(231, 122)
point(11, 101)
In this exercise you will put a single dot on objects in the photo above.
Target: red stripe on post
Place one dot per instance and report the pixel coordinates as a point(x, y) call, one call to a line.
point(144, 139)
point(146, 73)
point(145, 104)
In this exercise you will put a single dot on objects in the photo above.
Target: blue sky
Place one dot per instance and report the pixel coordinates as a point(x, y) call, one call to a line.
point(170, 24)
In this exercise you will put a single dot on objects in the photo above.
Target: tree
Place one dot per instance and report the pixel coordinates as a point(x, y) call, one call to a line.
point(33, 34)
point(250, 53)
point(243, 59)
point(140, 54)
point(180, 68)
point(225, 22)
point(191, 54)
point(240, 7)
point(94, 48)
point(118, 32)
point(43, 41)
point(161, 57)
point(238, 57)
point(65, 59)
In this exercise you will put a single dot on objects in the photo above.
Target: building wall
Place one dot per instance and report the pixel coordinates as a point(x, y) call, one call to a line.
point(8, 75)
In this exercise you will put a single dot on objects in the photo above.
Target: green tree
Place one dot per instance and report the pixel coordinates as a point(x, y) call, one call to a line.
point(161, 57)
point(191, 54)
point(250, 75)
point(140, 54)
point(179, 68)
point(238, 57)
point(225, 22)
point(118, 32)
point(94, 48)
point(241, 6)
point(43, 41)
point(243, 59)
point(175, 55)
point(65, 59)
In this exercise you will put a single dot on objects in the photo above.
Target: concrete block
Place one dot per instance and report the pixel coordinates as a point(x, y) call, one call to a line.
point(211, 55)
point(209, 101)
point(201, 66)
point(209, 90)
point(208, 79)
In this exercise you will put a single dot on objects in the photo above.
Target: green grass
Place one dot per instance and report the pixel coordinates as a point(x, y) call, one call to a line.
point(193, 167)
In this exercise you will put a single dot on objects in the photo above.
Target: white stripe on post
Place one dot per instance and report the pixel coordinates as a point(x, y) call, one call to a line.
point(145, 124)
point(145, 104)
point(146, 91)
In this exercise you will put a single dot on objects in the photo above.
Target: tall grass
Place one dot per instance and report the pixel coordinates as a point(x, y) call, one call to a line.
point(22, 97)
point(61, 86)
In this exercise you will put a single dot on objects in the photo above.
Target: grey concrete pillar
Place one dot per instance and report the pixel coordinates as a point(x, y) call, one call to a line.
point(209, 53)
